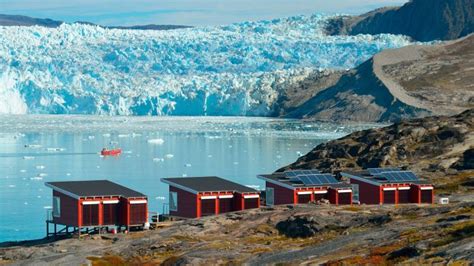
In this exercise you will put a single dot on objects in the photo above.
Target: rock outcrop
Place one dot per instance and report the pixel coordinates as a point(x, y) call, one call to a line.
point(425, 144)
point(423, 20)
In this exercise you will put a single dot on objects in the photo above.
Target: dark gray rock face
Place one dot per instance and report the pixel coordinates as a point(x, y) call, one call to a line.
point(423, 20)
point(299, 227)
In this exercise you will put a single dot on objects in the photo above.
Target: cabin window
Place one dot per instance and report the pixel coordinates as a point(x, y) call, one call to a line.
point(269, 196)
point(173, 201)
point(56, 206)
point(355, 192)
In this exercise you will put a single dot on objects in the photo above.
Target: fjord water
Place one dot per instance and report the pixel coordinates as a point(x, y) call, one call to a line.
point(60, 148)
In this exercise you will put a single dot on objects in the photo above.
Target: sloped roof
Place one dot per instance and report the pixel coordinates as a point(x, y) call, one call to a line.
point(207, 184)
point(94, 188)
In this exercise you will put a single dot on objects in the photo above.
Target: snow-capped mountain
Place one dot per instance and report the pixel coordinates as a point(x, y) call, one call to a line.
point(238, 69)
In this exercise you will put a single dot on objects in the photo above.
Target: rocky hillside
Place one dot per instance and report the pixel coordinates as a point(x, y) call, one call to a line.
point(431, 146)
point(17, 20)
point(412, 81)
point(423, 20)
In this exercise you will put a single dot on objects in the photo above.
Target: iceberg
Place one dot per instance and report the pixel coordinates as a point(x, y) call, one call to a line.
point(239, 69)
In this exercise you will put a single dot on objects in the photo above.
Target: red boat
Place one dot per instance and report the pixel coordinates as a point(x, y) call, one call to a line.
point(114, 152)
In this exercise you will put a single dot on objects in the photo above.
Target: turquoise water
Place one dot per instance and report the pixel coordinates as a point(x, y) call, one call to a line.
point(66, 148)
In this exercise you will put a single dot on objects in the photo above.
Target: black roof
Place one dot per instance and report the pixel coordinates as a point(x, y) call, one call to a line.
point(208, 184)
point(98, 188)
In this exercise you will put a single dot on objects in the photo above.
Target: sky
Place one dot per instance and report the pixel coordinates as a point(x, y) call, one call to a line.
point(182, 12)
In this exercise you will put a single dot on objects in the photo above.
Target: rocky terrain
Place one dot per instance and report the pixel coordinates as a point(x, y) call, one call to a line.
point(423, 20)
point(412, 81)
point(436, 145)
point(437, 148)
point(17, 20)
point(303, 234)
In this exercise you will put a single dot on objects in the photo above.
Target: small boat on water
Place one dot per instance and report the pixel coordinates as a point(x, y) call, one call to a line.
point(113, 152)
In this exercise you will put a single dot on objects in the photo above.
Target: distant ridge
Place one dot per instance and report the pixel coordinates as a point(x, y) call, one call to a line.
point(423, 20)
point(18, 20)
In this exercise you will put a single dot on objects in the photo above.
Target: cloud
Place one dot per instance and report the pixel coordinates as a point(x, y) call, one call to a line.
point(188, 12)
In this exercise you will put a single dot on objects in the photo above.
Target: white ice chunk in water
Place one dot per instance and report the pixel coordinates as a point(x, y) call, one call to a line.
point(156, 141)
point(158, 159)
point(33, 146)
point(28, 157)
point(169, 156)
point(40, 167)
point(188, 165)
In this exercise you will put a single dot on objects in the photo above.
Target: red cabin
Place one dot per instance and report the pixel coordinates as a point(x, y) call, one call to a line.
point(96, 203)
point(194, 197)
point(390, 186)
point(303, 186)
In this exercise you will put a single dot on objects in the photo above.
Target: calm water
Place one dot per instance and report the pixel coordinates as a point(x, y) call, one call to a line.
point(66, 148)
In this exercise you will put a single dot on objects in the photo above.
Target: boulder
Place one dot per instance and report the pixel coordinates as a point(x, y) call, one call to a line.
point(298, 226)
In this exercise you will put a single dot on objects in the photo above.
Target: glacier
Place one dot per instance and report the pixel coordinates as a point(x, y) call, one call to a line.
point(231, 70)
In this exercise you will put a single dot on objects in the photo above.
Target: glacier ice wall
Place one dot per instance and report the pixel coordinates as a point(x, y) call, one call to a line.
point(237, 69)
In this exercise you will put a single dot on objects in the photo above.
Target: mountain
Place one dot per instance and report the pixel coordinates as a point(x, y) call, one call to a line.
point(438, 145)
point(17, 20)
point(412, 81)
point(423, 20)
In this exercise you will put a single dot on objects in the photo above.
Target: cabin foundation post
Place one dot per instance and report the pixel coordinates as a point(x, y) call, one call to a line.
point(55, 229)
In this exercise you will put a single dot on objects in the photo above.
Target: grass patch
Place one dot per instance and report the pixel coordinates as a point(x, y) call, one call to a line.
point(455, 233)
point(352, 208)
point(454, 183)
point(186, 238)
point(108, 260)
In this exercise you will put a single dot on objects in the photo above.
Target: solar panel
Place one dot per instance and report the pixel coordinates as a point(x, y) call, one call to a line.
point(317, 179)
point(293, 173)
point(399, 176)
point(375, 171)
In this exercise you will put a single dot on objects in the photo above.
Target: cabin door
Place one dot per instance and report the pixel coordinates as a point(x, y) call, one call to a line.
point(90, 215)
point(344, 198)
point(208, 207)
point(225, 205)
point(389, 197)
point(138, 213)
point(110, 213)
point(426, 196)
point(404, 196)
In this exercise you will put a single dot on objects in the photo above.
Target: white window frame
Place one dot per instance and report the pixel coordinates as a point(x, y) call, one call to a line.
point(173, 195)
point(56, 206)
point(267, 196)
